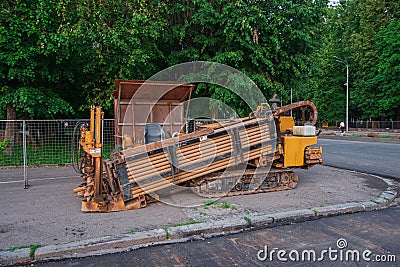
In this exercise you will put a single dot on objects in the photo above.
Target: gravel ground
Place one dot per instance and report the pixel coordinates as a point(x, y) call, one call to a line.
point(49, 213)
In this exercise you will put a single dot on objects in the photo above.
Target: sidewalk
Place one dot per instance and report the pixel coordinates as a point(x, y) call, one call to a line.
point(48, 213)
point(364, 135)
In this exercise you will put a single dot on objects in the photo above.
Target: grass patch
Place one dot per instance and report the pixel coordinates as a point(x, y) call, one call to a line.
point(186, 223)
point(247, 219)
point(315, 212)
point(376, 202)
point(57, 153)
point(209, 203)
point(203, 213)
point(357, 136)
point(133, 230)
point(224, 205)
point(385, 136)
point(12, 249)
point(167, 233)
point(32, 248)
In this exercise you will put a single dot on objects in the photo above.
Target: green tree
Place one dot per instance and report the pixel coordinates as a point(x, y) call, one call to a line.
point(112, 39)
point(55, 55)
point(31, 72)
point(357, 32)
point(268, 40)
point(325, 84)
point(387, 79)
point(364, 19)
point(29, 77)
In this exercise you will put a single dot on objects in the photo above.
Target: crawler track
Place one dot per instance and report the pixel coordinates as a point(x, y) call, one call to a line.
point(249, 181)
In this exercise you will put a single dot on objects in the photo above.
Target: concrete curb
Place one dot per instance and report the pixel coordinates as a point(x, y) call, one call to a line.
point(126, 242)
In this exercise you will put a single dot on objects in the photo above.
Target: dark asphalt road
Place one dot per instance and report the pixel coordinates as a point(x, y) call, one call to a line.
point(377, 231)
point(374, 158)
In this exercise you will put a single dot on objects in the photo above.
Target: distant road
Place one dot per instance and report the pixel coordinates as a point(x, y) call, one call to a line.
point(375, 158)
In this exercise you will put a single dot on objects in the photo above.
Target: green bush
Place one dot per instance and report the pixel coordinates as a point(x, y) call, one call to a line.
point(3, 144)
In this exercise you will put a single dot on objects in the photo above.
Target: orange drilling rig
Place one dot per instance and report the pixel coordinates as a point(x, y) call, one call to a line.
point(249, 155)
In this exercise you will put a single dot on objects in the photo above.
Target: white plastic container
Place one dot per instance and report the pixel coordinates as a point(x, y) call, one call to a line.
point(307, 130)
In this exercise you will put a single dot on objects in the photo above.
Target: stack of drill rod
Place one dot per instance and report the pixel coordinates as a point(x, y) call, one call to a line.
point(173, 161)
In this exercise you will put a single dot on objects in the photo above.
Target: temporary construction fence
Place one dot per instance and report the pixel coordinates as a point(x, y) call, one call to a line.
point(50, 142)
point(25, 143)
point(40, 143)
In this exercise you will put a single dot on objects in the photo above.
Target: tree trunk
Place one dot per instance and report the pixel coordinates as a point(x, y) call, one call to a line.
point(10, 129)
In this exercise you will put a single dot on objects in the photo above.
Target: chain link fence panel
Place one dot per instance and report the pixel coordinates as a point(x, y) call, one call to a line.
point(47, 142)
point(55, 142)
point(32, 143)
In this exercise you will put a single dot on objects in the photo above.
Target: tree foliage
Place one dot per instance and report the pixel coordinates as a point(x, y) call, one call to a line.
point(387, 78)
point(55, 55)
point(59, 56)
point(267, 40)
point(31, 71)
point(362, 32)
point(325, 83)
point(111, 39)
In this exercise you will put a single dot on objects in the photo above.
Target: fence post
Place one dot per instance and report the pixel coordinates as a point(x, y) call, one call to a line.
point(26, 185)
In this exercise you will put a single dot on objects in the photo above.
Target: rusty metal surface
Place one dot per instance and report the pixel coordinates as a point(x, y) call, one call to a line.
point(152, 90)
point(313, 155)
point(139, 102)
point(306, 103)
point(151, 170)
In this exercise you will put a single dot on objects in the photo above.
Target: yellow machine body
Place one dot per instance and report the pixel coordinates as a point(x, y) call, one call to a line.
point(295, 149)
point(286, 123)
